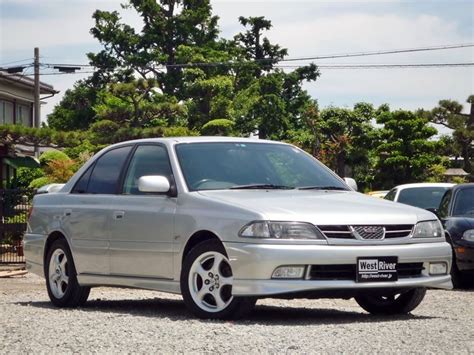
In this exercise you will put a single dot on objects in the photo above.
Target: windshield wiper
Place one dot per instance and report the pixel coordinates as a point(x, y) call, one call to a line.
point(322, 188)
point(261, 186)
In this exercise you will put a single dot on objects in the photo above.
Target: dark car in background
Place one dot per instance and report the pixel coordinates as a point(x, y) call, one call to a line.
point(456, 212)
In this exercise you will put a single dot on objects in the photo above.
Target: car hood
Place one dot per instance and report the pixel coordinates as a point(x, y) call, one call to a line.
point(321, 207)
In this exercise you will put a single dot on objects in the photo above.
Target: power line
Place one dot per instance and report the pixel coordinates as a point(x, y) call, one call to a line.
point(17, 61)
point(382, 52)
point(385, 66)
point(329, 56)
point(322, 66)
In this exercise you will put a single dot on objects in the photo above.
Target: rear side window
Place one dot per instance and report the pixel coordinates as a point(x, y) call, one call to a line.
point(81, 184)
point(106, 174)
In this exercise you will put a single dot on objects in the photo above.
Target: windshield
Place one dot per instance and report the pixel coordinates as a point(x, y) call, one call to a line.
point(214, 166)
point(464, 203)
point(423, 197)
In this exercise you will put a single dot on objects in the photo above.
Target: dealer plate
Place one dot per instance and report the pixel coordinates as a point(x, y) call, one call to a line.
point(377, 269)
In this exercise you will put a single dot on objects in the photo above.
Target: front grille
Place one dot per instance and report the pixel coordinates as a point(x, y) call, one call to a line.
point(366, 232)
point(369, 232)
point(407, 270)
point(348, 271)
point(340, 232)
point(332, 272)
point(398, 230)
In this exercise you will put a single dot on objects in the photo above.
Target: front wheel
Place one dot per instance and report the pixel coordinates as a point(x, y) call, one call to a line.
point(61, 279)
point(402, 303)
point(206, 284)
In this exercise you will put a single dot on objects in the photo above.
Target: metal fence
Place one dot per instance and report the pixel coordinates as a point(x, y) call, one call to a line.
point(14, 208)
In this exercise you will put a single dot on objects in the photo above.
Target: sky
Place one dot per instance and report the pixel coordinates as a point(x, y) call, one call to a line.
point(60, 28)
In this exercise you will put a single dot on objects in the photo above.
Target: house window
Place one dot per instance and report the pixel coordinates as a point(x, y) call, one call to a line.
point(23, 115)
point(6, 112)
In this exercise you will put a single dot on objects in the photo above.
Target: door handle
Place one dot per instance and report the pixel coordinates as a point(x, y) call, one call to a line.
point(67, 212)
point(119, 214)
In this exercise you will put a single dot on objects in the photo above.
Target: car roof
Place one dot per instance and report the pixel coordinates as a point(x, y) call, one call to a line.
point(201, 139)
point(463, 186)
point(424, 184)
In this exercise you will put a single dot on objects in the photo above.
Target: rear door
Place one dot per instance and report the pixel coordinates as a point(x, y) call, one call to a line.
point(142, 224)
point(89, 210)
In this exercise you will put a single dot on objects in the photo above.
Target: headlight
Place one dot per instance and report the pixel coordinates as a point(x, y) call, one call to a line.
point(280, 230)
point(428, 229)
point(468, 235)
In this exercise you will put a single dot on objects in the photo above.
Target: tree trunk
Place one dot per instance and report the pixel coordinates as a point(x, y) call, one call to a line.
point(341, 164)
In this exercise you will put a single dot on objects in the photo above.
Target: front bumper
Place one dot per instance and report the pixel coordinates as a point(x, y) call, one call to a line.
point(253, 266)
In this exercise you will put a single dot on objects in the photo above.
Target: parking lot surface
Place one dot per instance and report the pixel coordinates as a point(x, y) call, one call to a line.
point(124, 320)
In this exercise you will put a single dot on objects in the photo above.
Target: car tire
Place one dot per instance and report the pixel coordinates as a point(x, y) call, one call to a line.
point(206, 284)
point(458, 279)
point(61, 277)
point(402, 303)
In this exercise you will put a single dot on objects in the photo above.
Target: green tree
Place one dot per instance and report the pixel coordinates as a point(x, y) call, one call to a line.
point(75, 110)
point(168, 26)
point(268, 100)
point(256, 50)
point(449, 114)
point(137, 104)
point(405, 151)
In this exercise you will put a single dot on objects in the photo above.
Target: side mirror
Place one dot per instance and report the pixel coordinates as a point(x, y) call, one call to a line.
point(154, 183)
point(351, 183)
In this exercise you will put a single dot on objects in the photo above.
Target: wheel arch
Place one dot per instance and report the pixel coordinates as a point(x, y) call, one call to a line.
point(196, 238)
point(52, 237)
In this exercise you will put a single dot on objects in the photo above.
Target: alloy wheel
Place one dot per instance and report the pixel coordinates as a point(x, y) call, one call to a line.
point(210, 282)
point(58, 273)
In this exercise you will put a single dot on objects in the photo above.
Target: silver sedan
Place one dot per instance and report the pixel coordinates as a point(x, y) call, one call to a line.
point(225, 221)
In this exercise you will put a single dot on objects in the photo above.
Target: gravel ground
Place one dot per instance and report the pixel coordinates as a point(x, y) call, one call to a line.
point(136, 321)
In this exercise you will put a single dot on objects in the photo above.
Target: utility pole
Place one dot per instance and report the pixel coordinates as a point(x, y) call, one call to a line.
point(37, 113)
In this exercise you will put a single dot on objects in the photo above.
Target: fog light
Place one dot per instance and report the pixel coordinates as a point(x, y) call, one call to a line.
point(438, 268)
point(288, 272)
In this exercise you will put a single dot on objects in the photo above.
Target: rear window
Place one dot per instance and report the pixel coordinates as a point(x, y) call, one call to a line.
point(423, 197)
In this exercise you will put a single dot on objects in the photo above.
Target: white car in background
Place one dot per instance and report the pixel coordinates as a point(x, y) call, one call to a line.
point(423, 195)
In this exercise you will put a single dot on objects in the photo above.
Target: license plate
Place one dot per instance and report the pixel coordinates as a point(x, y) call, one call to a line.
point(377, 269)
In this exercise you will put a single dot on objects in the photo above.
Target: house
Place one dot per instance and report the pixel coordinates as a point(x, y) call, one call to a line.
point(16, 107)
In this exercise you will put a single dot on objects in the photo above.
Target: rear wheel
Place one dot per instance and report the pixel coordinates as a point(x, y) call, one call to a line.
point(401, 303)
point(206, 284)
point(61, 279)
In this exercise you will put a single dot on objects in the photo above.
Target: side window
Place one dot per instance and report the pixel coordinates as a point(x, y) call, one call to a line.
point(81, 184)
point(106, 174)
point(147, 160)
point(391, 195)
point(444, 204)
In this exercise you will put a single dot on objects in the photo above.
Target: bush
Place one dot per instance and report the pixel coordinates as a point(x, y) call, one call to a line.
point(103, 132)
point(219, 127)
point(24, 176)
point(51, 155)
point(39, 182)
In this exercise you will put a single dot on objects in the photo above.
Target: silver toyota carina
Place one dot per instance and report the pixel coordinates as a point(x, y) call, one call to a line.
point(225, 221)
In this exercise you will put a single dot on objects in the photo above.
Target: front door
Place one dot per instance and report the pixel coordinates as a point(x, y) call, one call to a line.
point(142, 224)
